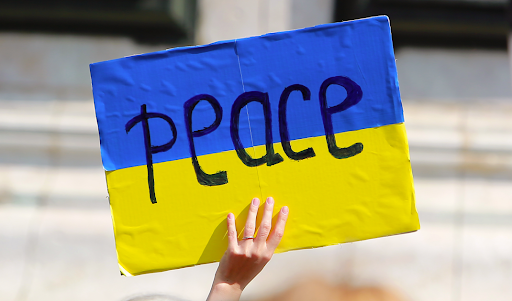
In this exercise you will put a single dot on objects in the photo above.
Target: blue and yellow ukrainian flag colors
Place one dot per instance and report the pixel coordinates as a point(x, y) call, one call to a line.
point(191, 134)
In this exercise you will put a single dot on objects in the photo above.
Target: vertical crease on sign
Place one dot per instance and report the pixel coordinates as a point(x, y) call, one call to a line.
point(359, 68)
point(248, 119)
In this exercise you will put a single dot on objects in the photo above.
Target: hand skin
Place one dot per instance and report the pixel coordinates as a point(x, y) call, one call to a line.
point(245, 259)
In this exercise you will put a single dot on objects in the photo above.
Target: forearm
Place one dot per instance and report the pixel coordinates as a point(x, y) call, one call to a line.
point(224, 292)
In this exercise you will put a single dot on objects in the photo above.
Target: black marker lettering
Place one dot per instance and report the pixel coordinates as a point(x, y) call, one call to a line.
point(354, 95)
point(283, 124)
point(203, 178)
point(150, 150)
point(270, 158)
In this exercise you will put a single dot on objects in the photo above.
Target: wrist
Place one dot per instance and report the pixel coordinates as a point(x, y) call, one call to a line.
point(225, 292)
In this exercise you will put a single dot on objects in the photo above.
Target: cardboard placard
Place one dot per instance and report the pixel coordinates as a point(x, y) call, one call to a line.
point(312, 117)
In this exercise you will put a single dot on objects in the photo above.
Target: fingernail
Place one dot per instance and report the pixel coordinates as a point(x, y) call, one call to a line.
point(270, 201)
point(230, 216)
point(284, 210)
point(256, 202)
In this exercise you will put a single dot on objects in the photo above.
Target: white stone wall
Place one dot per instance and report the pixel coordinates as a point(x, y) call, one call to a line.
point(454, 75)
point(49, 67)
point(232, 19)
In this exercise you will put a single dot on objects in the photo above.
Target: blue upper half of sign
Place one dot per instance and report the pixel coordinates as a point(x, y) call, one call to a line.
point(360, 50)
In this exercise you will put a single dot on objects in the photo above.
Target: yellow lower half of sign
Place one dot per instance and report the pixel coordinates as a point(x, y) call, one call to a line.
point(331, 200)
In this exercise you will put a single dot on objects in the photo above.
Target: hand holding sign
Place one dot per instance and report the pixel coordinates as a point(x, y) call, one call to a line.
point(246, 258)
